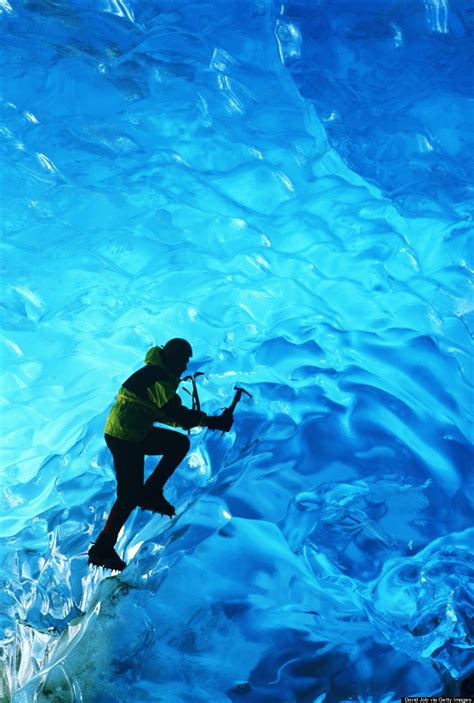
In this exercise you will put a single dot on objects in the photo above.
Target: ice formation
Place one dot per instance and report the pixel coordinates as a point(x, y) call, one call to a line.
point(289, 186)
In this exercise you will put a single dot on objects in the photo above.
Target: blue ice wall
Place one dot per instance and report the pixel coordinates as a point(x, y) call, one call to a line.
point(290, 188)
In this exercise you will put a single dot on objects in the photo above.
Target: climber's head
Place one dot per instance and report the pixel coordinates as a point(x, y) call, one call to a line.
point(176, 354)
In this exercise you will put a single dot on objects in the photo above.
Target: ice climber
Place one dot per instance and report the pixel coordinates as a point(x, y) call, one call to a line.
point(147, 396)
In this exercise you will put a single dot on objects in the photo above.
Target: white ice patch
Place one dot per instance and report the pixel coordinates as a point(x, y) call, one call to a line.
point(288, 38)
point(437, 12)
point(30, 296)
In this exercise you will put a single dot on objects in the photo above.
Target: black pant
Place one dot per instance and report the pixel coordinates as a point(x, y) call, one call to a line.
point(129, 464)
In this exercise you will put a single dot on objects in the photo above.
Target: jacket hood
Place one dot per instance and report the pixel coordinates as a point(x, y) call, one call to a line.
point(153, 357)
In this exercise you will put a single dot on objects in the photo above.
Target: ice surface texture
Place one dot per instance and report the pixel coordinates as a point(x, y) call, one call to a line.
point(290, 188)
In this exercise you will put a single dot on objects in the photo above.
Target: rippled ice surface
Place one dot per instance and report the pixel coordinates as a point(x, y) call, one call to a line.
point(289, 187)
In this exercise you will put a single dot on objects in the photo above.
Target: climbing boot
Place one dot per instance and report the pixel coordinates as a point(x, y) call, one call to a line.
point(102, 553)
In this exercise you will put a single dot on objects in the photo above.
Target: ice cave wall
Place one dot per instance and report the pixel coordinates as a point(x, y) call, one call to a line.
point(290, 187)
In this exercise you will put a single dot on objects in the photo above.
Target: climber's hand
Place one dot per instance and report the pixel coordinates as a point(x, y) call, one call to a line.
point(222, 422)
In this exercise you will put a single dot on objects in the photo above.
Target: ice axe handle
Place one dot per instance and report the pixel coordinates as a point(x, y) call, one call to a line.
point(237, 397)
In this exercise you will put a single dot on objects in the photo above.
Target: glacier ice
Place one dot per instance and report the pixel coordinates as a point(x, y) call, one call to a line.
point(290, 187)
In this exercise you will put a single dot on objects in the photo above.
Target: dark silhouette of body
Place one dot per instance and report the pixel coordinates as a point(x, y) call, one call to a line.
point(147, 396)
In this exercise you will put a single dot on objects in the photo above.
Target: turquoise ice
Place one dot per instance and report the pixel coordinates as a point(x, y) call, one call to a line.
point(290, 187)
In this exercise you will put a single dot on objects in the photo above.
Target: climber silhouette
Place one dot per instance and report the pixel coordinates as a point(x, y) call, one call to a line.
point(147, 396)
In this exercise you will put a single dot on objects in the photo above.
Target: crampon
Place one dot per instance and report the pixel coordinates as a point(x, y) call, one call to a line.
point(160, 505)
point(102, 553)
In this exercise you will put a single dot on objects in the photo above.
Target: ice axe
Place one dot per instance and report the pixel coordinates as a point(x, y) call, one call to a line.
point(194, 394)
point(238, 394)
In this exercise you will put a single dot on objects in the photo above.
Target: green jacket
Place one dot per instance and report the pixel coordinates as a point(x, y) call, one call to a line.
point(147, 396)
